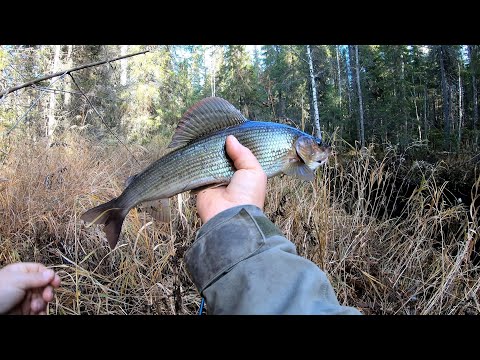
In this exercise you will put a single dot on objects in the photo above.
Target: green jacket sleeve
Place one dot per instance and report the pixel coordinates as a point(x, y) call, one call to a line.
point(242, 264)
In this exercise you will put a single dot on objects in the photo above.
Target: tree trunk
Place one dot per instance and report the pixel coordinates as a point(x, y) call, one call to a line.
point(445, 93)
point(425, 110)
point(281, 105)
point(316, 120)
point(303, 115)
point(403, 90)
point(360, 100)
point(339, 76)
point(473, 70)
point(68, 81)
point(214, 69)
point(460, 106)
point(452, 107)
point(123, 65)
point(352, 87)
point(416, 109)
point(51, 121)
point(349, 89)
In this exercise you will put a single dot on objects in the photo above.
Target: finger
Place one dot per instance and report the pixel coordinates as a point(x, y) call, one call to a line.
point(36, 300)
point(25, 267)
point(24, 308)
point(33, 266)
point(56, 281)
point(241, 156)
point(35, 279)
point(47, 294)
point(37, 305)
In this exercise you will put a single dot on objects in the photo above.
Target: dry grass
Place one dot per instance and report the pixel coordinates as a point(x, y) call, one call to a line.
point(384, 253)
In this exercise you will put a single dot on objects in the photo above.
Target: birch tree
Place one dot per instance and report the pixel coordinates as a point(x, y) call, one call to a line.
point(339, 75)
point(473, 70)
point(351, 80)
point(360, 100)
point(124, 65)
point(460, 106)
point(51, 121)
point(68, 81)
point(316, 116)
point(445, 95)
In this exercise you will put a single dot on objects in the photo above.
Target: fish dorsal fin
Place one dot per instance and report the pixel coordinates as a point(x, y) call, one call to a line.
point(206, 116)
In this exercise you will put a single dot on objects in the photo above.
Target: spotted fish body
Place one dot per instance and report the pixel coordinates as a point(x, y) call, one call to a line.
point(200, 159)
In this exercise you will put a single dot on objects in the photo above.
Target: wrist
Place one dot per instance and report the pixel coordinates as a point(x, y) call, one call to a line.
point(226, 239)
point(230, 211)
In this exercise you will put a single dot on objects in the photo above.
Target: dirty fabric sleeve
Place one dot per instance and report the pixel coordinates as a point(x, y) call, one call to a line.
point(241, 263)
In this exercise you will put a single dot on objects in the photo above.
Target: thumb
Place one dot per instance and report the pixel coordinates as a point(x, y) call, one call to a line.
point(241, 156)
point(36, 279)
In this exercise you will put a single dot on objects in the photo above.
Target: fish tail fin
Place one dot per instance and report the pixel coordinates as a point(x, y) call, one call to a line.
point(109, 214)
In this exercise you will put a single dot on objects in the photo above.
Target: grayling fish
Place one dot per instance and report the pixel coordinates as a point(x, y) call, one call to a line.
point(200, 160)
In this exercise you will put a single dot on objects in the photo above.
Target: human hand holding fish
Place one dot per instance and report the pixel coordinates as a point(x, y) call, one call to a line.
point(248, 184)
point(199, 160)
point(226, 159)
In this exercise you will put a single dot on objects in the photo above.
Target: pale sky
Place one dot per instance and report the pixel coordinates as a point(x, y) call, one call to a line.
point(208, 54)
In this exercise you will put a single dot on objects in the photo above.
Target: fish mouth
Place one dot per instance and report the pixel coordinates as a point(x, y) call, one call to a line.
point(326, 151)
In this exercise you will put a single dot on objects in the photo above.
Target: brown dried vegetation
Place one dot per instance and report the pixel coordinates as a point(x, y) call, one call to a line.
point(386, 251)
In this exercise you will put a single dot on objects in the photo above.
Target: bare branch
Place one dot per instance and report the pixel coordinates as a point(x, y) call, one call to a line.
point(30, 108)
point(64, 72)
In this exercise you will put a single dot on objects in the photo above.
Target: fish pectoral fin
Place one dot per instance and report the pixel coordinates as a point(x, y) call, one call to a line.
point(299, 170)
point(294, 166)
point(201, 188)
point(158, 209)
